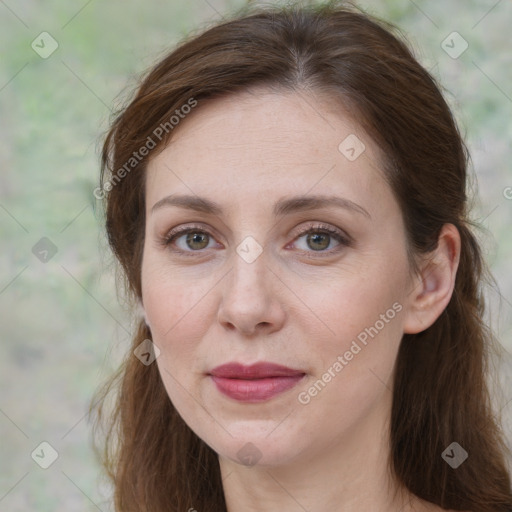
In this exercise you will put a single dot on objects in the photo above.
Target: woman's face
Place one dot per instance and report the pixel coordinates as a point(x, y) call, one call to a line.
point(247, 284)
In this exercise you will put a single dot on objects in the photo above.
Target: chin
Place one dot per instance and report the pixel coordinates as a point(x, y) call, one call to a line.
point(256, 448)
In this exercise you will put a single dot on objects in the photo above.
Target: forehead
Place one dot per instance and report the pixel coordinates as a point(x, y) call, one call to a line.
point(262, 143)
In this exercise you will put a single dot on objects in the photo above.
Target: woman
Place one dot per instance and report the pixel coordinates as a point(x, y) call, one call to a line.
point(287, 200)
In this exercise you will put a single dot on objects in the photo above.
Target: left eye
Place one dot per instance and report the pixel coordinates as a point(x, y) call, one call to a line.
point(319, 239)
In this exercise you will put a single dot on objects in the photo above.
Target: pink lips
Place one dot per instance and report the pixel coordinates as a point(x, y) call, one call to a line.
point(256, 383)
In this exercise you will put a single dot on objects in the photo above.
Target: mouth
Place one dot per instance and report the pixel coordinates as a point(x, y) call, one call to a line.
point(255, 383)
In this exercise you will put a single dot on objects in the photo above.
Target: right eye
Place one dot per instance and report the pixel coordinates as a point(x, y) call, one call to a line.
point(188, 239)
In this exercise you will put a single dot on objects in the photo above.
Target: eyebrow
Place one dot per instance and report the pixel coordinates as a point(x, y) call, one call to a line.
point(282, 207)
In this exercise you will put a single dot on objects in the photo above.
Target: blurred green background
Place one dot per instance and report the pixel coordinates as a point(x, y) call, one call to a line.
point(62, 329)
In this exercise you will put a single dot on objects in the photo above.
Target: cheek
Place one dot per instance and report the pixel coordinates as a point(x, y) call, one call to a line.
point(177, 313)
point(354, 374)
point(366, 340)
point(357, 301)
point(168, 295)
point(362, 318)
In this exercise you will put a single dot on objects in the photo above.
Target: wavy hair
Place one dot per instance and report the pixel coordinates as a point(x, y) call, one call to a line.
point(441, 394)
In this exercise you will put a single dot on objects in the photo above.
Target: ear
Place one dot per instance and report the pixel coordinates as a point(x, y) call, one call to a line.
point(433, 287)
point(141, 312)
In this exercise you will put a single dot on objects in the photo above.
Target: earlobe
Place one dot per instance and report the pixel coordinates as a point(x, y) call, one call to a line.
point(434, 286)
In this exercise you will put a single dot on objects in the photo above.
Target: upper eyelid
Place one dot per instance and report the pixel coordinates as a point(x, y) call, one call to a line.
point(183, 230)
point(318, 225)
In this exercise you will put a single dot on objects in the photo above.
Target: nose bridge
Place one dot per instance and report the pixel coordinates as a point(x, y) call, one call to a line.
point(248, 297)
point(250, 273)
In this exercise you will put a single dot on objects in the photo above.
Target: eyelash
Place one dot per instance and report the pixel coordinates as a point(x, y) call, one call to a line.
point(343, 239)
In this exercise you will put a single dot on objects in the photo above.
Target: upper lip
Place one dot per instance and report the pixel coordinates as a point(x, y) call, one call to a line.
point(255, 371)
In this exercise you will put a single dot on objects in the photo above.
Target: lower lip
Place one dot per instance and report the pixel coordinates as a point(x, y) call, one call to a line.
point(256, 390)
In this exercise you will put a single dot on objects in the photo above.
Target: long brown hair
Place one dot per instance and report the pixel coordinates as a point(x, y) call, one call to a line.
point(441, 394)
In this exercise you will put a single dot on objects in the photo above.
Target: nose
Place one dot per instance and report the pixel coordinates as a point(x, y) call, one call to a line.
point(252, 298)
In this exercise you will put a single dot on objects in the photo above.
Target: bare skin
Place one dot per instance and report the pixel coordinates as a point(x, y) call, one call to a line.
point(302, 302)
